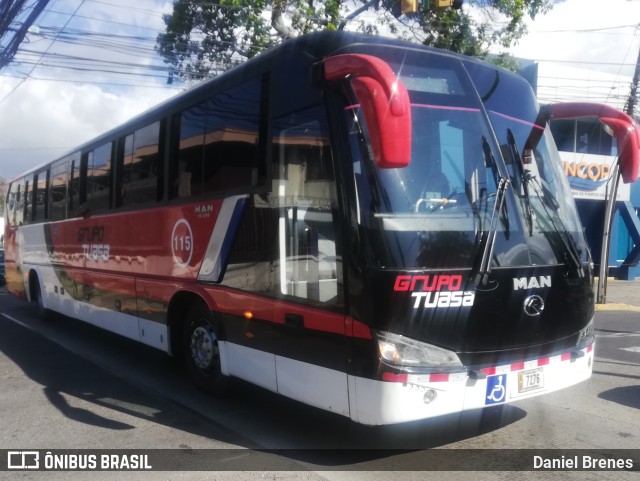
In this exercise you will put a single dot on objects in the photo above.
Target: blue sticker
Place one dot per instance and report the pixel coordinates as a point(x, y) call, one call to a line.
point(496, 389)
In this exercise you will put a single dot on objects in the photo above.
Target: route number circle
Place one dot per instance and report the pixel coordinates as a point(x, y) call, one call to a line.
point(182, 243)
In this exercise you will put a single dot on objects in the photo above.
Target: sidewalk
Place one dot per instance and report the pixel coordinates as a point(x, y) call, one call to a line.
point(621, 295)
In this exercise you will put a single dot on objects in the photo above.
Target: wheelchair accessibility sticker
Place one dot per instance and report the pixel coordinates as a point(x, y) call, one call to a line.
point(496, 389)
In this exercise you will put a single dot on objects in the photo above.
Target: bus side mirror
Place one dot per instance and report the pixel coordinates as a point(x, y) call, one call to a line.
point(624, 129)
point(384, 101)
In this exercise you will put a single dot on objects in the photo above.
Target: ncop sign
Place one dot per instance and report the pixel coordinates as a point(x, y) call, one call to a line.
point(589, 175)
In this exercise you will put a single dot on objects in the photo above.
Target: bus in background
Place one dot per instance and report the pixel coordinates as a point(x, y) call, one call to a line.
point(374, 228)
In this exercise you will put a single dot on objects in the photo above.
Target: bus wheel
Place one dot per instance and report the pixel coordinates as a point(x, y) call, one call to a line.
point(202, 353)
point(36, 299)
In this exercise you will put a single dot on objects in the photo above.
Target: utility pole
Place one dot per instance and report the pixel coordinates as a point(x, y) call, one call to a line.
point(10, 12)
point(632, 101)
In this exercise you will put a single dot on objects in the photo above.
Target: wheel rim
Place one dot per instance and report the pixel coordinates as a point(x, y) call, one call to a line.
point(204, 349)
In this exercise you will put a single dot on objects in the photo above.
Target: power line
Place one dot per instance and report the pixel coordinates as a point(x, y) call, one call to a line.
point(101, 82)
point(137, 45)
point(44, 53)
point(10, 11)
point(103, 20)
point(587, 30)
point(128, 7)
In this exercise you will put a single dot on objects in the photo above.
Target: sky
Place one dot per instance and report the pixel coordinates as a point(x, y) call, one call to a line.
point(586, 49)
point(102, 68)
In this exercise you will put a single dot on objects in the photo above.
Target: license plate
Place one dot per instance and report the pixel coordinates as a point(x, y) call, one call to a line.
point(530, 380)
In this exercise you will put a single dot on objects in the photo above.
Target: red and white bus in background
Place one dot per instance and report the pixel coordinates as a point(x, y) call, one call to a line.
point(378, 229)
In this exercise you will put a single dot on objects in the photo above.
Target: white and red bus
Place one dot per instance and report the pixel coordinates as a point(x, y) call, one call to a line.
point(378, 229)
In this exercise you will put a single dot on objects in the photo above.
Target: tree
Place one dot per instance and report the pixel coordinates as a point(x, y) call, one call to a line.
point(206, 37)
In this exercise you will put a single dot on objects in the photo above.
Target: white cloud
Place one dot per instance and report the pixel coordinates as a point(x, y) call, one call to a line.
point(589, 31)
point(42, 119)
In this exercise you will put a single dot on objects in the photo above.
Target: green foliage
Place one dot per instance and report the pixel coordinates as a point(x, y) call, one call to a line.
point(206, 37)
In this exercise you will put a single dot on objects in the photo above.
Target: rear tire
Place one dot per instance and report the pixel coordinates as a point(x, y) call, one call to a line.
point(201, 351)
point(37, 300)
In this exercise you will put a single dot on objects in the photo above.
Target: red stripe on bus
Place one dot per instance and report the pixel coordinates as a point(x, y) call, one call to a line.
point(515, 119)
point(358, 329)
point(391, 377)
point(566, 356)
point(517, 366)
point(322, 321)
point(439, 377)
point(543, 361)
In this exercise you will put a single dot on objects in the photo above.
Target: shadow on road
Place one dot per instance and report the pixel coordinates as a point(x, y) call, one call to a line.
point(625, 395)
point(147, 384)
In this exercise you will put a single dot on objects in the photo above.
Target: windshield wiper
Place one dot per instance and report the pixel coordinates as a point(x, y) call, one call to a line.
point(572, 255)
point(498, 208)
point(491, 162)
point(525, 176)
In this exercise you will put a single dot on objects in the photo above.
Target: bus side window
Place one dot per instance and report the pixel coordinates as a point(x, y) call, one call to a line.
point(19, 209)
point(192, 128)
point(304, 192)
point(99, 178)
point(28, 200)
point(141, 167)
point(41, 196)
point(75, 198)
point(58, 190)
point(286, 244)
point(219, 143)
point(231, 138)
point(14, 191)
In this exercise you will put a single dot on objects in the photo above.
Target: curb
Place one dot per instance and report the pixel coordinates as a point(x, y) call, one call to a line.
point(617, 307)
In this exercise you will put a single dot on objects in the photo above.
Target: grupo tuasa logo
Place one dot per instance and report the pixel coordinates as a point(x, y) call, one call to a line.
point(430, 291)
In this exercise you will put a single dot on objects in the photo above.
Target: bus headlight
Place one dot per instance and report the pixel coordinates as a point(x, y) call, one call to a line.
point(398, 350)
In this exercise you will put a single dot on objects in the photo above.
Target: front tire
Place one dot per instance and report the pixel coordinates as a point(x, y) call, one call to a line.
point(37, 300)
point(202, 352)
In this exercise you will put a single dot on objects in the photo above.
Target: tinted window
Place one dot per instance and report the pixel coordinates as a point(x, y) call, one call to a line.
point(28, 201)
point(58, 190)
point(18, 216)
point(99, 177)
point(12, 198)
point(591, 138)
point(218, 147)
point(41, 196)
point(586, 136)
point(286, 244)
point(564, 134)
point(75, 198)
point(141, 167)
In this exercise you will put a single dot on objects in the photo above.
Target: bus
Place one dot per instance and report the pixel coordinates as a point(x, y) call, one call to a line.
point(377, 229)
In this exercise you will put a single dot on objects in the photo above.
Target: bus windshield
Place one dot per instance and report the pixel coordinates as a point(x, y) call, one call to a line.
point(435, 212)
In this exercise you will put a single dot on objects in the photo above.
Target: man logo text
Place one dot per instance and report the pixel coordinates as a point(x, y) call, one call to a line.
point(531, 282)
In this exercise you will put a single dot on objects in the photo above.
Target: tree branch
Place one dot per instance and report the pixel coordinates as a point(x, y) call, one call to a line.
point(277, 22)
point(358, 11)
